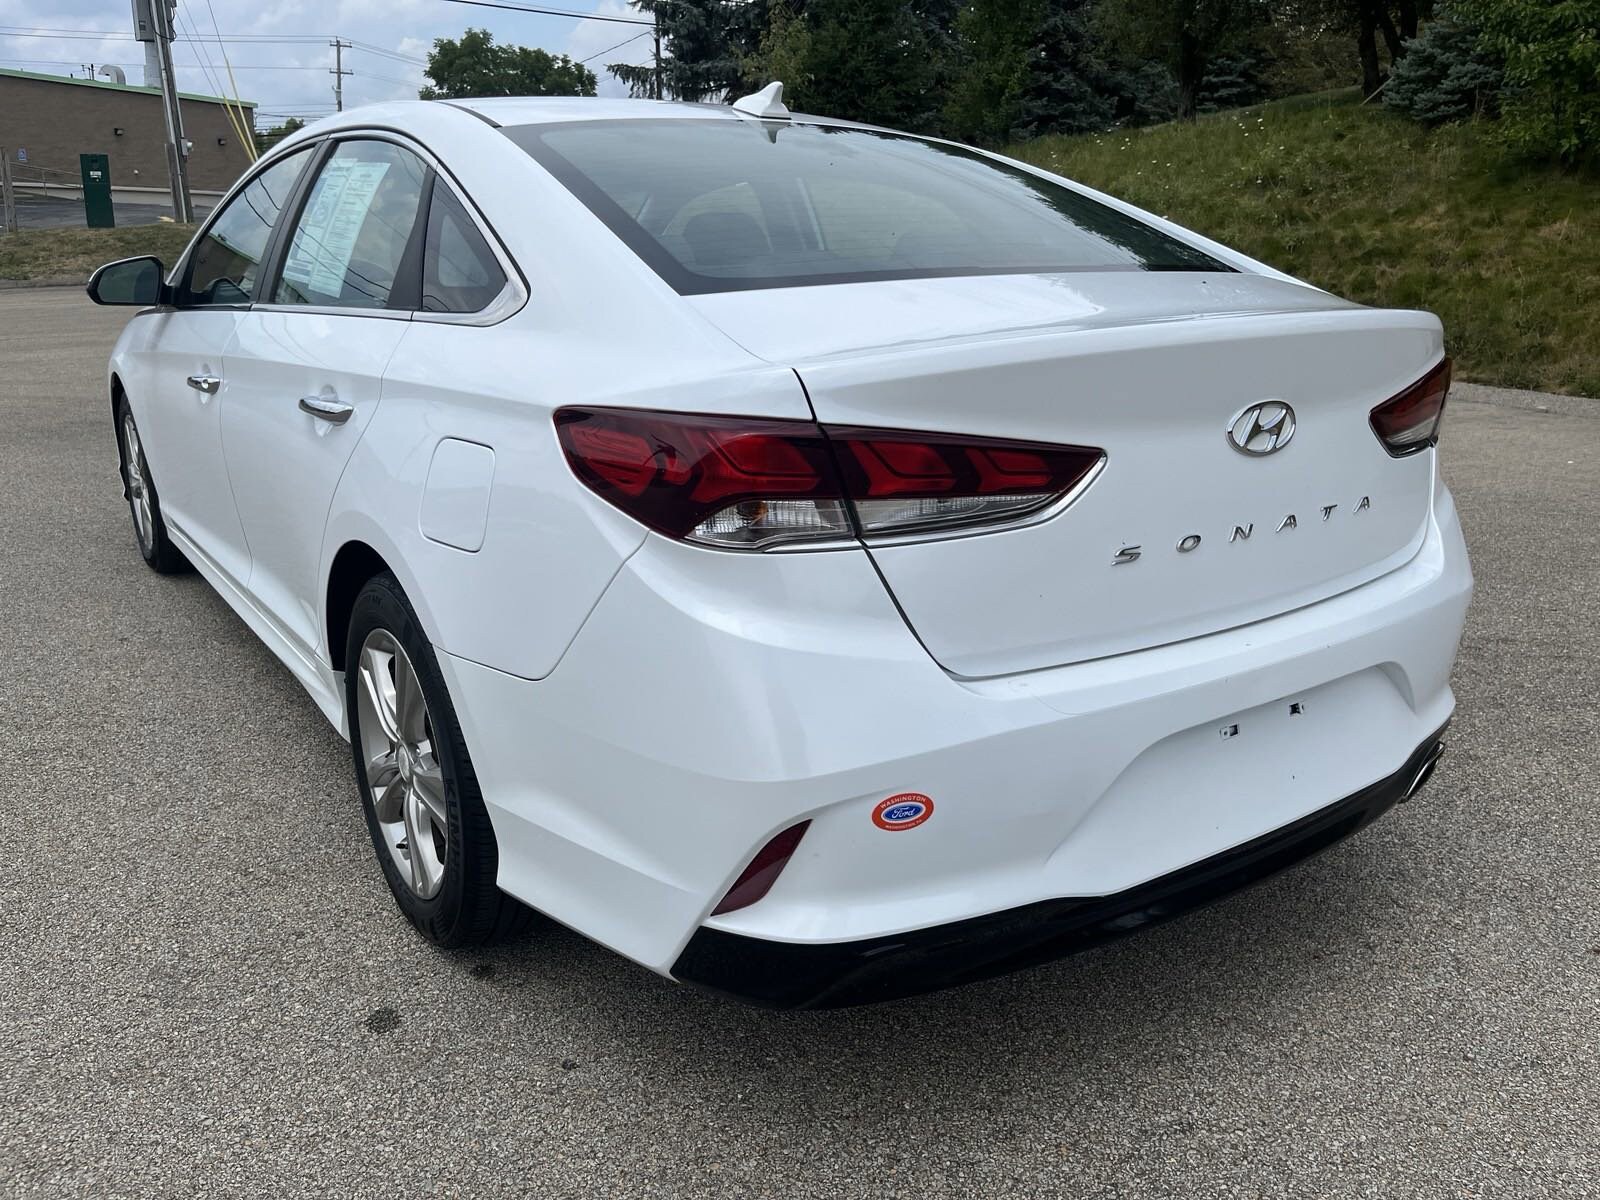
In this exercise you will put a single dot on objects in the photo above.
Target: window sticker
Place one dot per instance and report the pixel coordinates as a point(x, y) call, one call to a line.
point(325, 240)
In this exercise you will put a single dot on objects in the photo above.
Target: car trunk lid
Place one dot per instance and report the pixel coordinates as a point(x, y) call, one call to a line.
point(1180, 534)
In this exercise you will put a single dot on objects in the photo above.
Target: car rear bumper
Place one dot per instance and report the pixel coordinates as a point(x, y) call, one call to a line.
point(840, 974)
point(712, 700)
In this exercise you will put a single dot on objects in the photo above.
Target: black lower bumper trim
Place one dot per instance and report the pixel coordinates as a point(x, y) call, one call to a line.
point(837, 974)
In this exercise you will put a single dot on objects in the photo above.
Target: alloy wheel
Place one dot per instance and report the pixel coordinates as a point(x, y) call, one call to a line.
point(144, 521)
point(402, 767)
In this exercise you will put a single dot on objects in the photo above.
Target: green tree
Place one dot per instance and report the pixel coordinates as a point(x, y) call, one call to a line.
point(1551, 108)
point(1395, 22)
point(271, 136)
point(475, 66)
point(706, 46)
point(866, 60)
point(1234, 80)
point(1069, 87)
point(1073, 85)
point(993, 43)
point(1184, 35)
point(1448, 74)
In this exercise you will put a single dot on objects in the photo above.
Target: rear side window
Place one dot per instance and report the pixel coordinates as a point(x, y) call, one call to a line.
point(350, 242)
point(226, 264)
point(459, 272)
point(721, 205)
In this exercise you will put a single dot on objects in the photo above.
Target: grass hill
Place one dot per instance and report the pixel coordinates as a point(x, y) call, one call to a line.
point(1384, 212)
point(74, 253)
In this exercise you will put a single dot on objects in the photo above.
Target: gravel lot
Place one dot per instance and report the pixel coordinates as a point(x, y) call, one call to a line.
point(206, 989)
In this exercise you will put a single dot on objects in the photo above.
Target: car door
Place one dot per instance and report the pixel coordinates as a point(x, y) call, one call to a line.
point(178, 392)
point(305, 367)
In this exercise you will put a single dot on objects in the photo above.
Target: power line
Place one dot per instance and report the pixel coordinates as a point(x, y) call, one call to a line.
point(554, 12)
point(196, 51)
point(243, 124)
point(410, 83)
point(237, 120)
point(52, 33)
point(369, 48)
point(618, 46)
point(267, 37)
point(53, 36)
point(67, 62)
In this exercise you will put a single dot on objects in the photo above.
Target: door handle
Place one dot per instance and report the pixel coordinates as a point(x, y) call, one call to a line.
point(205, 383)
point(335, 412)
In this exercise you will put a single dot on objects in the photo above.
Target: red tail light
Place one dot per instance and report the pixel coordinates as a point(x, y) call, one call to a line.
point(756, 880)
point(750, 483)
point(1410, 422)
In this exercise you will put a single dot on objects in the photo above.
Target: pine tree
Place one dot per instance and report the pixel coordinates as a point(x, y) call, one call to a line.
point(1069, 88)
point(865, 60)
point(1075, 86)
point(1449, 74)
point(704, 45)
point(992, 67)
point(1234, 81)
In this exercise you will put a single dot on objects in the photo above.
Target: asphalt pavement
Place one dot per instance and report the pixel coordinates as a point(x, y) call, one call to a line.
point(55, 212)
point(205, 988)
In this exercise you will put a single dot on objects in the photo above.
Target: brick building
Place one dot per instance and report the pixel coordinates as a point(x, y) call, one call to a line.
point(52, 119)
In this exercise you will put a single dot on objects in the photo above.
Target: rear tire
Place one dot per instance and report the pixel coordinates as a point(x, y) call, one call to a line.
point(144, 504)
point(425, 812)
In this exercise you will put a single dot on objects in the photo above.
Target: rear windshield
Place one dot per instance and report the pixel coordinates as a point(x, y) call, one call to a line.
point(725, 205)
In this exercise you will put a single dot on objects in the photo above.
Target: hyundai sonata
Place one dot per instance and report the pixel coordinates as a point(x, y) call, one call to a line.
point(819, 563)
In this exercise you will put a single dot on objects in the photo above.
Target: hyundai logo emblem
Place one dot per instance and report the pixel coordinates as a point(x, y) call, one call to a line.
point(1262, 429)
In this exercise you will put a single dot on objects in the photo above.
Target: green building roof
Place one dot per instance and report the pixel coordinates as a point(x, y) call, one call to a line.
point(120, 87)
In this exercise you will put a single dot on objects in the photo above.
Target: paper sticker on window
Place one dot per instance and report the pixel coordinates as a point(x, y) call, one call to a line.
point(319, 257)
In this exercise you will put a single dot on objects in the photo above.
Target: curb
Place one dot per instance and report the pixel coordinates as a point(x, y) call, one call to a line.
point(54, 281)
point(1543, 402)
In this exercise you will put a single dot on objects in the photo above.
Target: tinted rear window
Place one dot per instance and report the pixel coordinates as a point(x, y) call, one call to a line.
point(723, 205)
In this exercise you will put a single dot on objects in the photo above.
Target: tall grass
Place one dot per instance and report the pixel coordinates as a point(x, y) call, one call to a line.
point(74, 253)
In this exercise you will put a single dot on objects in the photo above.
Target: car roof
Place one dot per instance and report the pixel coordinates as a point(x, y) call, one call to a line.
point(536, 110)
point(509, 111)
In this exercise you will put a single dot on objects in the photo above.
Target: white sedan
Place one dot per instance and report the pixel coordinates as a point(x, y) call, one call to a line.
point(819, 563)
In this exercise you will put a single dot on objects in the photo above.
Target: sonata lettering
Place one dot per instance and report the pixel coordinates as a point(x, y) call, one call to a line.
point(1241, 533)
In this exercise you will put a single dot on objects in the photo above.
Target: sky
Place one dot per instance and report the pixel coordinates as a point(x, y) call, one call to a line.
point(291, 77)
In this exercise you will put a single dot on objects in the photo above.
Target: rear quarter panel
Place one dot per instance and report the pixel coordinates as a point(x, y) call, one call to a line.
point(549, 546)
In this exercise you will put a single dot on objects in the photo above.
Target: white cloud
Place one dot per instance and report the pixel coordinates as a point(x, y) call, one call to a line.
point(598, 42)
point(292, 76)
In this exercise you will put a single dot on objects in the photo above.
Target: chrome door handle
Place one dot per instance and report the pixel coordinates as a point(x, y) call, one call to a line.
point(333, 411)
point(205, 383)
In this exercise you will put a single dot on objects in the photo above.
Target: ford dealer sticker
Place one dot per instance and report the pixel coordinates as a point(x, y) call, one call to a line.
point(905, 811)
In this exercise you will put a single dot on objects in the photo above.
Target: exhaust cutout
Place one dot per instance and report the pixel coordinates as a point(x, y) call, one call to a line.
point(1424, 772)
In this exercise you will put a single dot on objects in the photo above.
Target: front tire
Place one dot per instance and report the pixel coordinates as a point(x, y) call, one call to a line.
point(424, 809)
point(143, 502)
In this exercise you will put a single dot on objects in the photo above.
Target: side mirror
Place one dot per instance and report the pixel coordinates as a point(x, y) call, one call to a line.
point(128, 281)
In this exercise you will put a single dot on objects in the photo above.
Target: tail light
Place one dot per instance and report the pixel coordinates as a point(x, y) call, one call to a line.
point(1410, 422)
point(752, 483)
point(756, 880)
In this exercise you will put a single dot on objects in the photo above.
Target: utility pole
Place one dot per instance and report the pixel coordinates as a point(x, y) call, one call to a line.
point(152, 22)
point(338, 72)
point(8, 197)
point(657, 16)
